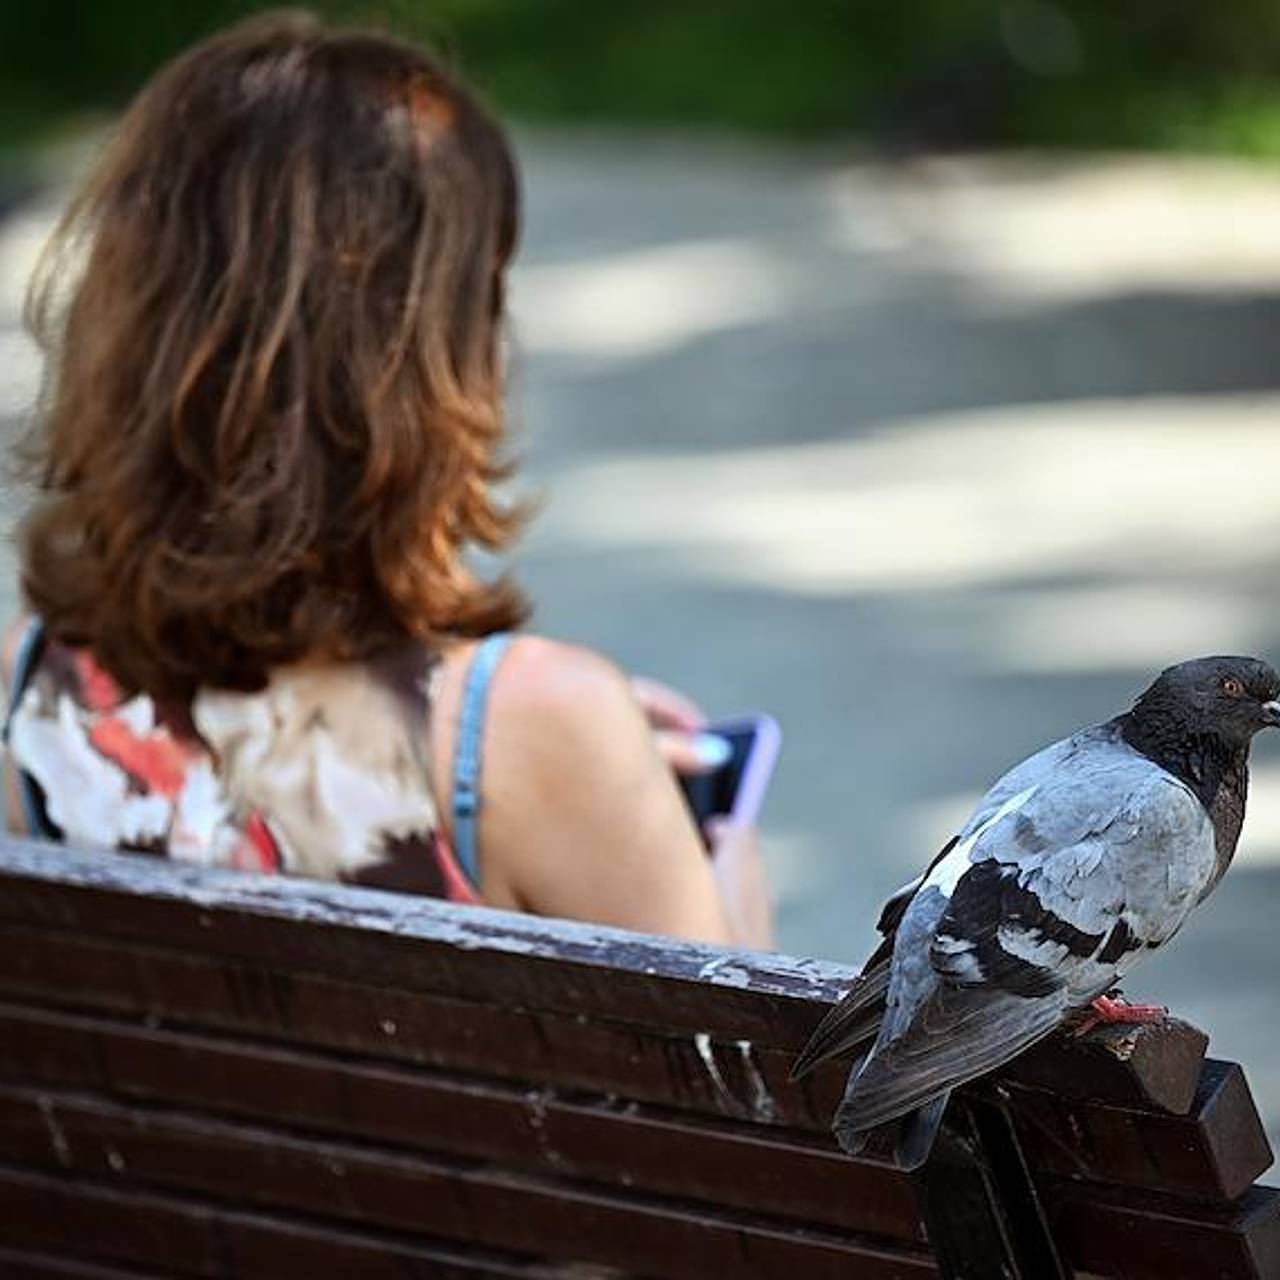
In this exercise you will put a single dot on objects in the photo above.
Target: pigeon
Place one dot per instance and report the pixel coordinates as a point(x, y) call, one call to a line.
point(1076, 863)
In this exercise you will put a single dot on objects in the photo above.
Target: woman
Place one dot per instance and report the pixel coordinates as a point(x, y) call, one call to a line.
point(272, 423)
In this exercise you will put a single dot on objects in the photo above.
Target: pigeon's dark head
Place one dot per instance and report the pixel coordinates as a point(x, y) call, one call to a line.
point(1227, 698)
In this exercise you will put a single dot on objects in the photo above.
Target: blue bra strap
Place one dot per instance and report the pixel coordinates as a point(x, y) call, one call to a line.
point(467, 754)
point(25, 661)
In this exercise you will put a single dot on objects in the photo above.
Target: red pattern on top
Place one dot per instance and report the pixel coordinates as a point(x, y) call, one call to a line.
point(160, 762)
point(259, 851)
point(98, 690)
point(156, 759)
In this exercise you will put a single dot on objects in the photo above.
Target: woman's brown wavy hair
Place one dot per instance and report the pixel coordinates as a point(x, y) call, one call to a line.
point(272, 414)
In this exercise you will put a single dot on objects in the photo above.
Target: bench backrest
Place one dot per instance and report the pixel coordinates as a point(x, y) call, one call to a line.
point(204, 1074)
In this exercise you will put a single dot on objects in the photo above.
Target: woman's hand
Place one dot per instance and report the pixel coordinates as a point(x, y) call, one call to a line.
point(743, 883)
point(678, 723)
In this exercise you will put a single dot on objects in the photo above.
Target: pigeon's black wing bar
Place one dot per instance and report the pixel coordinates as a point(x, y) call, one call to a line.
point(995, 925)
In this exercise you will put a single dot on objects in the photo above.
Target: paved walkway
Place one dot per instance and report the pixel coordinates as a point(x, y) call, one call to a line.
point(935, 464)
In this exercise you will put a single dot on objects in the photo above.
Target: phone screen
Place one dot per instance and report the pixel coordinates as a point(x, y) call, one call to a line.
point(735, 789)
point(711, 795)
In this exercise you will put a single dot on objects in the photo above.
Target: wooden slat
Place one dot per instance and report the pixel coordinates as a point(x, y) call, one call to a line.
point(1213, 1153)
point(418, 944)
point(67, 1216)
point(1217, 1153)
point(488, 957)
point(26, 1265)
point(748, 1081)
point(261, 1247)
point(484, 956)
point(450, 1199)
point(1150, 1238)
point(1153, 1065)
point(533, 1129)
point(984, 1212)
point(81, 1218)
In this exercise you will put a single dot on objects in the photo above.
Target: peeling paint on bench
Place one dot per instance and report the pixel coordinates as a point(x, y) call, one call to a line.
point(218, 892)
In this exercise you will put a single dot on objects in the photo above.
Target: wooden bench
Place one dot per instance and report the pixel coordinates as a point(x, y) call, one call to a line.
point(209, 1075)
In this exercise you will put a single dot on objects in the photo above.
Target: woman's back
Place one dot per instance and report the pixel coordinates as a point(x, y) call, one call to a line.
point(323, 773)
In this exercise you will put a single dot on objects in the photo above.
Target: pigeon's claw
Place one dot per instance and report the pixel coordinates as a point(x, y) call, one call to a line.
point(1114, 1010)
point(1117, 1009)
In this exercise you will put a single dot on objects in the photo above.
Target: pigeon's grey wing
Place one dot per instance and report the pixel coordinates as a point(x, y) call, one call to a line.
point(1008, 791)
point(1088, 871)
point(957, 1035)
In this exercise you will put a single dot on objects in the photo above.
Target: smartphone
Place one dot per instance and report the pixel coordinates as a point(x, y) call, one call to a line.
point(736, 789)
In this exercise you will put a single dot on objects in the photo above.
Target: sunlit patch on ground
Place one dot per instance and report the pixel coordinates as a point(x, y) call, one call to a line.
point(646, 301)
point(1135, 490)
point(21, 238)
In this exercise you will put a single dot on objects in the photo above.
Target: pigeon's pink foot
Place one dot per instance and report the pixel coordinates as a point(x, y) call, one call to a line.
point(1112, 1011)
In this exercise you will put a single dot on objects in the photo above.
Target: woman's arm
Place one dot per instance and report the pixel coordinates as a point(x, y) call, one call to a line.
point(581, 816)
point(15, 817)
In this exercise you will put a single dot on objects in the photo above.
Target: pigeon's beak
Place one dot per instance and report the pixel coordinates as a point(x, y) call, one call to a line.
point(1271, 713)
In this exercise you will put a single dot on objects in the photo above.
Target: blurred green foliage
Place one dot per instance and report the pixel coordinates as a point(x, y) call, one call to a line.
point(1152, 73)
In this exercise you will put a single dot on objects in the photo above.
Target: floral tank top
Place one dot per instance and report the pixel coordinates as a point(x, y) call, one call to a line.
point(323, 773)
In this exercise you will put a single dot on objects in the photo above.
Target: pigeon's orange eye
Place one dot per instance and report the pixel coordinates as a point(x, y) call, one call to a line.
point(1232, 687)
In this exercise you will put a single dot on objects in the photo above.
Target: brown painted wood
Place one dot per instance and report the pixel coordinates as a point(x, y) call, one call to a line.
point(15, 1265)
point(418, 944)
point(482, 956)
point(1213, 1153)
point(1146, 1238)
point(253, 1246)
point(983, 1210)
point(187, 990)
point(1153, 1065)
point(1216, 1154)
point(451, 1199)
point(261, 1247)
point(67, 1216)
point(520, 1045)
point(537, 1129)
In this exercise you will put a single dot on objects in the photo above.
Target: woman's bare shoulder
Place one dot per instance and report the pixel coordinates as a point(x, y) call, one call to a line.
point(541, 684)
point(10, 642)
point(541, 676)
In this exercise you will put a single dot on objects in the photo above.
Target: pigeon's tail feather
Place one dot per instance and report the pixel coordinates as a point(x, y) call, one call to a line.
point(852, 1143)
point(914, 1139)
point(955, 1036)
point(854, 1021)
point(919, 1130)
